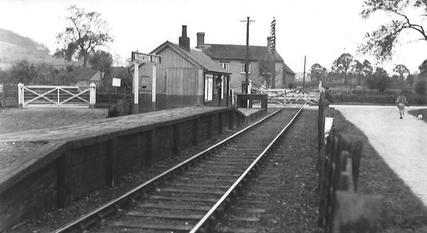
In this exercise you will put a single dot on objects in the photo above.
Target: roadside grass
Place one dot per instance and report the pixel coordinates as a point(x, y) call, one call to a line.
point(15, 119)
point(402, 210)
point(422, 111)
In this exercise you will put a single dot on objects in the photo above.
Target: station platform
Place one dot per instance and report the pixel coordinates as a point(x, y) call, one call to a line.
point(52, 167)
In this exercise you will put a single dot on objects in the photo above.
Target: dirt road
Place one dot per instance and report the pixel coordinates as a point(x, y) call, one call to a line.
point(402, 143)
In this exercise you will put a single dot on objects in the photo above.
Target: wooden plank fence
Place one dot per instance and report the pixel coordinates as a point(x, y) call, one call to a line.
point(341, 208)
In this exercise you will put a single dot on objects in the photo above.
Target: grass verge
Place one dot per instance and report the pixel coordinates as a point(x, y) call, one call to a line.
point(422, 111)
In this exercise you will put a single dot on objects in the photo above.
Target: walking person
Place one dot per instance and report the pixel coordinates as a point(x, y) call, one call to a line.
point(401, 102)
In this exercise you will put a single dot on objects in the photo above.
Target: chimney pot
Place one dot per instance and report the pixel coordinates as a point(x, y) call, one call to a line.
point(200, 39)
point(184, 41)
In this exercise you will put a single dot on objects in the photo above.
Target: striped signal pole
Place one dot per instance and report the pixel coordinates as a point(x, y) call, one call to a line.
point(272, 50)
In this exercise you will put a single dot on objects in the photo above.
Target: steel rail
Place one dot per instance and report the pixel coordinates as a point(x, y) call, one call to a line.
point(114, 205)
point(202, 223)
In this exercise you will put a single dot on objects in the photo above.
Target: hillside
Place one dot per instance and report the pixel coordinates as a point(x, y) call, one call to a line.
point(14, 47)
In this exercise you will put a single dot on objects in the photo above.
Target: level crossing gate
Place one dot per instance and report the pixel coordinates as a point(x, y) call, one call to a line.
point(56, 96)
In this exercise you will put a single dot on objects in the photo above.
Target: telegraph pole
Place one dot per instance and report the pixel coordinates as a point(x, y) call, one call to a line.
point(303, 76)
point(246, 89)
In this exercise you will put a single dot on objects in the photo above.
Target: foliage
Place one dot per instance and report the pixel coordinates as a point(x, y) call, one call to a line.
point(423, 68)
point(266, 70)
point(291, 85)
point(401, 70)
point(85, 32)
point(21, 72)
point(380, 42)
point(101, 61)
point(342, 65)
point(318, 72)
point(379, 80)
point(375, 97)
point(39, 74)
point(420, 87)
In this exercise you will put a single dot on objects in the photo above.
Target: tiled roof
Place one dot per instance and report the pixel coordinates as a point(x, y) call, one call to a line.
point(237, 52)
point(86, 74)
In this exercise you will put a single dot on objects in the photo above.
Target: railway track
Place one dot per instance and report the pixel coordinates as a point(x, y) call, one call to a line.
point(191, 195)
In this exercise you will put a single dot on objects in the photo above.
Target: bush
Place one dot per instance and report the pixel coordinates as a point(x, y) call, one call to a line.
point(420, 87)
point(378, 98)
point(291, 85)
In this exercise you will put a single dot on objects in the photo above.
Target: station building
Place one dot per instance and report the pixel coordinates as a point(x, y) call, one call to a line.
point(232, 59)
point(185, 77)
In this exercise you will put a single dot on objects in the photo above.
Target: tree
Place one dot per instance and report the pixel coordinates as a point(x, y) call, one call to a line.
point(380, 42)
point(402, 70)
point(101, 61)
point(356, 70)
point(423, 68)
point(381, 78)
point(22, 72)
point(85, 33)
point(318, 72)
point(367, 68)
point(266, 68)
point(341, 66)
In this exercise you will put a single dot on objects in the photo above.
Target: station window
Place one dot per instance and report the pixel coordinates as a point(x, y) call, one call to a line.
point(208, 87)
point(242, 68)
point(225, 66)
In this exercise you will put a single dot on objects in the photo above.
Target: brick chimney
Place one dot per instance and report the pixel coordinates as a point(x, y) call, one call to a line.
point(200, 39)
point(184, 41)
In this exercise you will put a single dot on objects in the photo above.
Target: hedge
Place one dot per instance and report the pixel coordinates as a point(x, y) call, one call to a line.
point(413, 99)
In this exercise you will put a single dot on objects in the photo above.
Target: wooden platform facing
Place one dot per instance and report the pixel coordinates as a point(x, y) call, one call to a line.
point(52, 167)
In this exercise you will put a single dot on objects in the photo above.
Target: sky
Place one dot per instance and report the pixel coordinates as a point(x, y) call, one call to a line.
point(319, 30)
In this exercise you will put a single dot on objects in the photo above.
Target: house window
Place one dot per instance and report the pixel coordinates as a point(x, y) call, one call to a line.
point(242, 68)
point(222, 86)
point(208, 87)
point(225, 66)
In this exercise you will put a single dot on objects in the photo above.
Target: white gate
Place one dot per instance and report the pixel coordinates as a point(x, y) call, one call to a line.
point(56, 96)
point(287, 96)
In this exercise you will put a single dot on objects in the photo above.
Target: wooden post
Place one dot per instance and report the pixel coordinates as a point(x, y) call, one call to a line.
point(153, 88)
point(20, 95)
point(92, 94)
point(111, 162)
point(135, 84)
point(195, 131)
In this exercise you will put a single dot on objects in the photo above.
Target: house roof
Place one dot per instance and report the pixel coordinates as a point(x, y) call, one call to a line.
point(87, 74)
point(286, 69)
point(238, 52)
point(196, 57)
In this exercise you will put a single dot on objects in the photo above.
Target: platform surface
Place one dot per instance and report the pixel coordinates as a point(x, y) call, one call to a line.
point(103, 126)
point(20, 150)
point(249, 111)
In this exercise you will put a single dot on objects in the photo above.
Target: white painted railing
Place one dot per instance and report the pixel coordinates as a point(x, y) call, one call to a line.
point(56, 96)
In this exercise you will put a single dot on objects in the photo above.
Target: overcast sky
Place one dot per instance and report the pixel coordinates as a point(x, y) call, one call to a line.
point(319, 29)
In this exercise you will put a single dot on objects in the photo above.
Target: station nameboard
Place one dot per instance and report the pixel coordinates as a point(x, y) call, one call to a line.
point(145, 58)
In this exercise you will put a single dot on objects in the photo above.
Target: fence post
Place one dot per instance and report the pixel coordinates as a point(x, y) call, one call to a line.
point(20, 95)
point(92, 100)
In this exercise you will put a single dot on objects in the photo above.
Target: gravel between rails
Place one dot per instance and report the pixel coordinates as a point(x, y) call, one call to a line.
point(283, 196)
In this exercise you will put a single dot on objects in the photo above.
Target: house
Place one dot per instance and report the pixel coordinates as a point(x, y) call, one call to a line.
point(87, 76)
point(185, 77)
point(232, 58)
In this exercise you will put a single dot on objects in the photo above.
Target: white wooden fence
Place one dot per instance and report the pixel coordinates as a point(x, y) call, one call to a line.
point(56, 96)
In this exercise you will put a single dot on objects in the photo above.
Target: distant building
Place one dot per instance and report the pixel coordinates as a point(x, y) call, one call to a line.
point(185, 77)
point(232, 59)
point(87, 76)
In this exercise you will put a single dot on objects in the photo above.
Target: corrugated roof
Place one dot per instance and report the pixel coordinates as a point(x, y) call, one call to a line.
point(238, 52)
